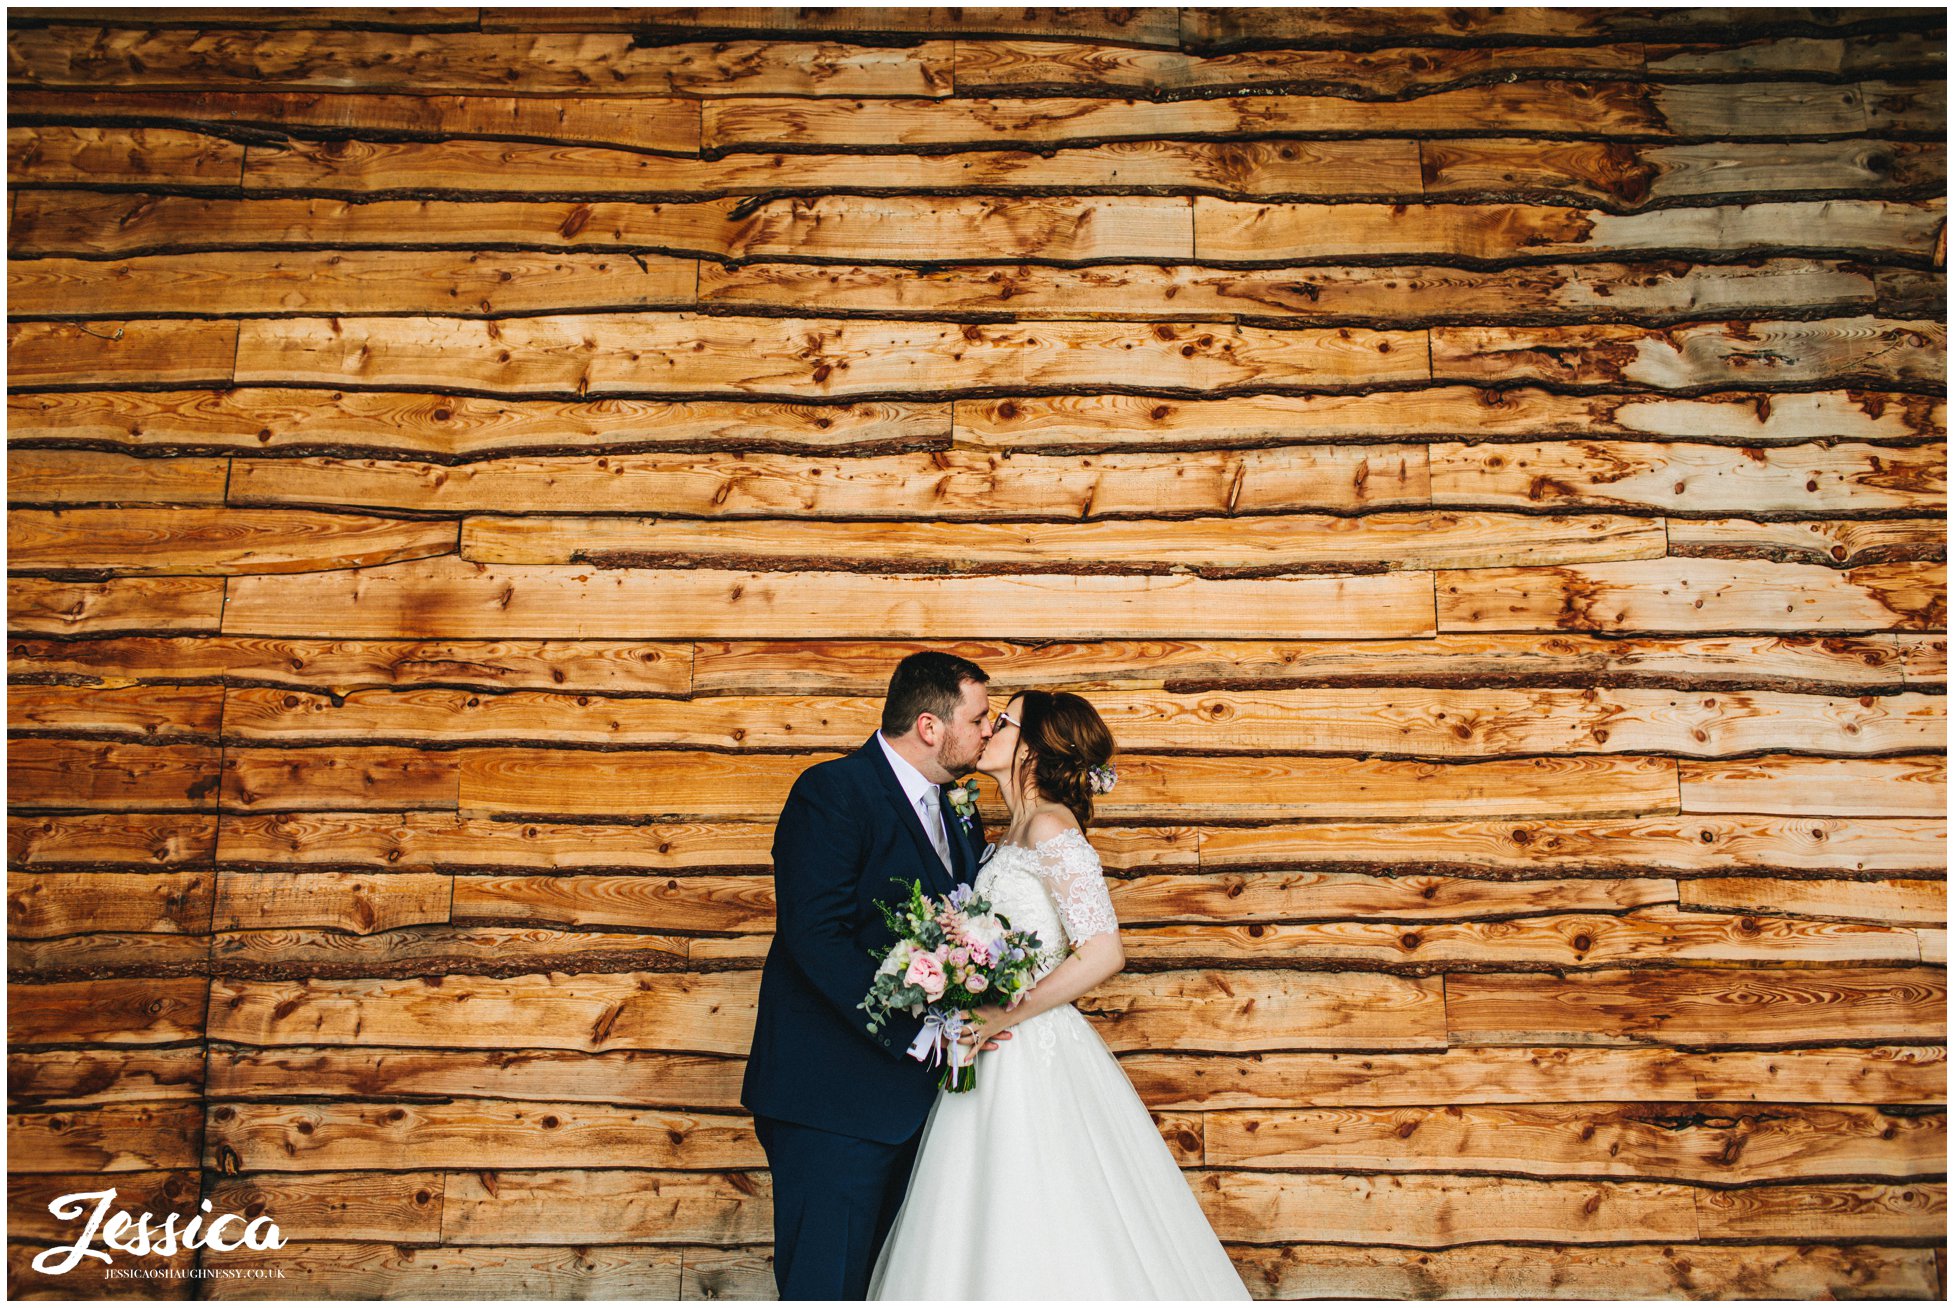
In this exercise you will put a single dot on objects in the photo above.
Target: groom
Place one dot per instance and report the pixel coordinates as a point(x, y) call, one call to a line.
point(839, 1111)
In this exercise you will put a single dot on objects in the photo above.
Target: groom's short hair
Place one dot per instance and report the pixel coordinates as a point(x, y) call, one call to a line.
point(927, 682)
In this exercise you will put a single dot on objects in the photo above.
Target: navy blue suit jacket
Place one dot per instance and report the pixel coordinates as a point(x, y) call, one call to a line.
point(847, 838)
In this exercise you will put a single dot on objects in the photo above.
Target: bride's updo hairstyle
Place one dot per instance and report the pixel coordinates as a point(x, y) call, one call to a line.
point(1065, 739)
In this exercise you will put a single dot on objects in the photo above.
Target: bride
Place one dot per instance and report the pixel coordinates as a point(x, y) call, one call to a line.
point(1049, 1180)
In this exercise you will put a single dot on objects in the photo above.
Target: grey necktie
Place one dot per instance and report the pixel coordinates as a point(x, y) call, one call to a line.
point(933, 824)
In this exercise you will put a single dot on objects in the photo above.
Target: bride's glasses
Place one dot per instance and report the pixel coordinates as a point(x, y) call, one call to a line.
point(1003, 720)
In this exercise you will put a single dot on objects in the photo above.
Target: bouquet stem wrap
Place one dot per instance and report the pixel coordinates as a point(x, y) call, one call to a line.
point(940, 1043)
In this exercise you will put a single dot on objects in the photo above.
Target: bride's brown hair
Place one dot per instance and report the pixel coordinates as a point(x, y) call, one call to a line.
point(1064, 739)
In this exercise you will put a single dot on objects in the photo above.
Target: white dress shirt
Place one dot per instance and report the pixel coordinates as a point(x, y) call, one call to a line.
point(914, 784)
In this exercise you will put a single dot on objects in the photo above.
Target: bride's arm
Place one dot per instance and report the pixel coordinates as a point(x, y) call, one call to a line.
point(1079, 889)
point(1091, 963)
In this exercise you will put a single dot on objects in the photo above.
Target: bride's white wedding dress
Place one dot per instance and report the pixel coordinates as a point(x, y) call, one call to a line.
point(1049, 1180)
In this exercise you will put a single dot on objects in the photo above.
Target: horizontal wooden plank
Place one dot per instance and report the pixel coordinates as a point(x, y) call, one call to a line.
point(151, 713)
point(1683, 595)
point(350, 282)
point(280, 953)
point(110, 1139)
point(1362, 28)
point(712, 1012)
point(709, 903)
point(1920, 902)
point(398, 1207)
point(1258, 546)
point(1631, 1271)
point(113, 1012)
point(607, 667)
point(1718, 1143)
point(694, 903)
point(74, 1078)
point(708, 1013)
point(659, 123)
point(1322, 169)
point(1631, 177)
point(939, 229)
point(963, 485)
point(109, 954)
point(343, 1269)
point(1848, 543)
point(1790, 662)
point(1682, 1006)
point(1913, 1211)
point(415, 840)
point(1239, 1011)
point(585, 1207)
point(49, 773)
point(1440, 1210)
point(1021, 64)
point(458, 427)
point(455, 598)
point(1410, 296)
point(53, 904)
point(110, 353)
point(1149, 26)
point(602, 354)
point(1887, 787)
point(229, 541)
point(1601, 109)
point(1616, 174)
point(430, 19)
point(447, 840)
point(1889, 1074)
point(1648, 936)
point(158, 840)
point(89, 476)
point(1871, 52)
point(896, 228)
point(643, 1077)
point(1236, 231)
point(1690, 478)
point(344, 61)
point(74, 608)
point(1412, 721)
point(1110, 422)
point(1238, 788)
point(1795, 842)
point(1710, 354)
point(469, 1133)
point(350, 777)
point(136, 156)
point(355, 902)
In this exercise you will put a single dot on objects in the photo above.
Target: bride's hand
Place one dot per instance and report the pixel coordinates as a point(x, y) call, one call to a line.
point(988, 1025)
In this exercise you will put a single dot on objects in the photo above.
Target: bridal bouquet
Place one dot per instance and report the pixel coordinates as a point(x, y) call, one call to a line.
point(951, 955)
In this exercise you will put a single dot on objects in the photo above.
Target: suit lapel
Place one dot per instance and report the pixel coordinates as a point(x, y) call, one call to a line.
point(935, 878)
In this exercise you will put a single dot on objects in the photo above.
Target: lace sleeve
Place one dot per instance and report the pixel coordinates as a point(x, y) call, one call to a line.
point(1069, 867)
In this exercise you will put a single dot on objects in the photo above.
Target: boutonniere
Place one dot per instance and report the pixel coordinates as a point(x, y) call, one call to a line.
point(963, 802)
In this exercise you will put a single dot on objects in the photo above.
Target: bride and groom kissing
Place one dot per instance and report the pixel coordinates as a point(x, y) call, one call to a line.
point(1047, 1180)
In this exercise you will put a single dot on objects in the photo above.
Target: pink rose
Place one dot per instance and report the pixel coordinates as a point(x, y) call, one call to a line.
point(982, 955)
point(959, 957)
point(975, 983)
point(927, 972)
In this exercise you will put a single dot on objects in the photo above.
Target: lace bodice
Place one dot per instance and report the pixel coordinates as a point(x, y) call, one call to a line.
point(1055, 888)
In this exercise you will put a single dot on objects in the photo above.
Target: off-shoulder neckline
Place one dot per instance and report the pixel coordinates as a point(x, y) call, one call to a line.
point(1069, 831)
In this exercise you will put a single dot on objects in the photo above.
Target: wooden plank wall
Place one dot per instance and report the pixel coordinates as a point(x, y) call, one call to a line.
point(1488, 465)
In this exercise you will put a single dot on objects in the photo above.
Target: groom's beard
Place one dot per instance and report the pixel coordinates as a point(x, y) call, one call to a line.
point(959, 766)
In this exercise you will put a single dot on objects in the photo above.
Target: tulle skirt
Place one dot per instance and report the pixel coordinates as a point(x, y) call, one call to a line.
point(1049, 1181)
